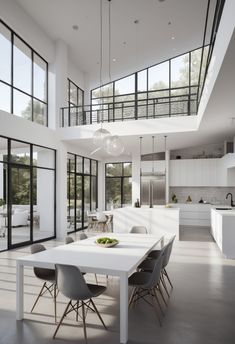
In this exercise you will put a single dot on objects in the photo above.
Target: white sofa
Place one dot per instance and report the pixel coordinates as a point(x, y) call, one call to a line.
point(19, 217)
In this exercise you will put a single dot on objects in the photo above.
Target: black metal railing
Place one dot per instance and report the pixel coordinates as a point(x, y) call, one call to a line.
point(179, 101)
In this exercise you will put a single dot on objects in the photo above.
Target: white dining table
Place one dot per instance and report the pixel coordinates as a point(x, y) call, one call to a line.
point(120, 261)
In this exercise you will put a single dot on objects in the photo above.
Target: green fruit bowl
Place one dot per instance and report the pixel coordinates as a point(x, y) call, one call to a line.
point(106, 242)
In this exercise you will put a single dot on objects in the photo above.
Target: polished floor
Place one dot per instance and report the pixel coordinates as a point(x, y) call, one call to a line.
point(201, 309)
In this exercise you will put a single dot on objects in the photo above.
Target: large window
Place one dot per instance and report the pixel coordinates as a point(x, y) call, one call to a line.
point(118, 185)
point(81, 191)
point(166, 89)
point(27, 208)
point(75, 103)
point(23, 78)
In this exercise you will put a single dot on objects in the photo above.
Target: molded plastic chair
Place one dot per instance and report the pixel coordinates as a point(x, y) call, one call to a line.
point(147, 284)
point(81, 236)
point(72, 284)
point(139, 230)
point(46, 275)
point(69, 240)
point(148, 264)
point(102, 220)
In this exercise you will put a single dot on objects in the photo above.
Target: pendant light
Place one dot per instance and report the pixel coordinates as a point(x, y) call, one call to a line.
point(102, 138)
point(101, 133)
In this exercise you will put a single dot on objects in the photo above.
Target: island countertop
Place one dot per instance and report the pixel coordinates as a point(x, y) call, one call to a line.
point(223, 231)
point(158, 220)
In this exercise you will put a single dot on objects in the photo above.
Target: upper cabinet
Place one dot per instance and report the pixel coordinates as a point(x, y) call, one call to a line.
point(203, 172)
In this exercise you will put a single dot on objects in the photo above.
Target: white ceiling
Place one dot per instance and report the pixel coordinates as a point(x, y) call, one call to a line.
point(134, 46)
point(217, 125)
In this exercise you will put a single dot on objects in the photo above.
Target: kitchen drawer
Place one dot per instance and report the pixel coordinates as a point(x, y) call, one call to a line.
point(195, 215)
point(195, 222)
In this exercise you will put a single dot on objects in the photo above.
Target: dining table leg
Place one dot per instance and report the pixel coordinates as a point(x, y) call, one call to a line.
point(123, 308)
point(19, 291)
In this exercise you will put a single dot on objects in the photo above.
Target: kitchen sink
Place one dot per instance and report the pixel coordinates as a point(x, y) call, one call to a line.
point(223, 208)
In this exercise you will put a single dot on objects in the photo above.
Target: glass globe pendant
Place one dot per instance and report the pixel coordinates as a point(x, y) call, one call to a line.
point(99, 136)
point(113, 145)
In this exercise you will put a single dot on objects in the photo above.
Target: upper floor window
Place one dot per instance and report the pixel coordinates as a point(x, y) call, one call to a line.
point(23, 78)
point(75, 95)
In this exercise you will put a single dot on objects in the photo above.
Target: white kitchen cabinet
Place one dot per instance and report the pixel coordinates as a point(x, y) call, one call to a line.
point(193, 172)
point(222, 230)
point(193, 214)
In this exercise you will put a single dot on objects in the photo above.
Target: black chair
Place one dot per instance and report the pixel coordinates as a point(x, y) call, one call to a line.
point(46, 275)
point(148, 263)
point(71, 283)
point(145, 284)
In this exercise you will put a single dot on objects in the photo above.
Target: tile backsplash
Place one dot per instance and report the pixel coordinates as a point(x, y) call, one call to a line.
point(210, 194)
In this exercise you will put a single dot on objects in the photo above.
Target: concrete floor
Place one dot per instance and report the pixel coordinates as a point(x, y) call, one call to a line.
point(201, 309)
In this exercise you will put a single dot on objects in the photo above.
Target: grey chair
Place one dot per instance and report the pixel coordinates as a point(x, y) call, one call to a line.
point(147, 284)
point(46, 275)
point(148, 264)
point(80, 236)
point(72, 284)
point(69, 240)
point(139, 230)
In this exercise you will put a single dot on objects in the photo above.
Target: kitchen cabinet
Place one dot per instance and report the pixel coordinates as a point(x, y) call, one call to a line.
point(193, 214)
point(222, 230)
point(193, 172)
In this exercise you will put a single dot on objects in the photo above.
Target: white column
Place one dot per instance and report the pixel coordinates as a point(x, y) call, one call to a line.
point(58, 74)
point(19, 291)
point(101, 185)
point(61, 194)
point(167, 159)
point(135, 177)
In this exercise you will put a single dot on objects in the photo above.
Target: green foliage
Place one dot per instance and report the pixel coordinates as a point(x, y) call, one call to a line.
point(2, 202)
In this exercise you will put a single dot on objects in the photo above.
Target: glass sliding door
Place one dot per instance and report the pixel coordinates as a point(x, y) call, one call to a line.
point(43, 204)
point(20, 201)
point(79, 202)
point(27, 193)
point(81, 191)
point(87, 199)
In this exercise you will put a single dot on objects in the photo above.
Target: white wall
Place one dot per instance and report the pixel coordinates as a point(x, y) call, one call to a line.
point(18, 20)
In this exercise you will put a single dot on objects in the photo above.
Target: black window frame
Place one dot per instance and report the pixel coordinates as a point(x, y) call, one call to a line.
point(121, 177)
point(11, 84)
point(8, 199)
point(82, 174)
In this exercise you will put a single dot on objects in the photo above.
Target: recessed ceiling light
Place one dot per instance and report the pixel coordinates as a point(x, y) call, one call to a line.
point(114, 60)
point(75, 27)
point(172, 37)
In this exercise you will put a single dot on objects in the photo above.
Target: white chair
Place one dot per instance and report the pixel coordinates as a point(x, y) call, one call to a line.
point(102, 222)
point(139, 230)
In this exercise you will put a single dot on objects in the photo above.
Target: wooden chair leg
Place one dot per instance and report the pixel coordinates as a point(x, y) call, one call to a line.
point(84, 321)
point(62, 318)
point(54, 299)
point(97, 312)
point(39, 295)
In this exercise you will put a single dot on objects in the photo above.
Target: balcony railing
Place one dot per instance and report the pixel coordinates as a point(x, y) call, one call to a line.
point(180, 101)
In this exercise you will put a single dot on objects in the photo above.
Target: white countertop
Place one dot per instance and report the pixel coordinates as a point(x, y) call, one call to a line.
point(225, 212)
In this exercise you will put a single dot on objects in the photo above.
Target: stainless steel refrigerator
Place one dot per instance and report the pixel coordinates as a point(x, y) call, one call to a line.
point(153, 189)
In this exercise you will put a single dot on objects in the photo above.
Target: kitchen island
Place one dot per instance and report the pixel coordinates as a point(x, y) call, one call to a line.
point(158, 220)
point(223, 231)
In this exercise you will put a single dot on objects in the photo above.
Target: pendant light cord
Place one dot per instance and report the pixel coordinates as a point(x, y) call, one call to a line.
point(109, 40)
point(101, 59)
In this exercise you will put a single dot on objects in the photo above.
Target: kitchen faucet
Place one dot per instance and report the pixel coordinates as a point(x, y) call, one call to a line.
point(232, 204)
